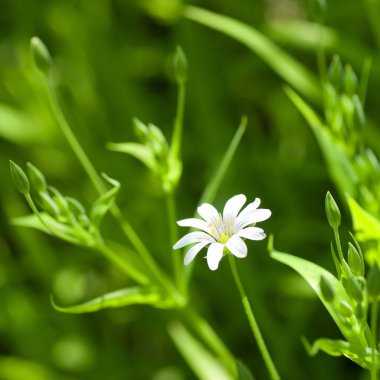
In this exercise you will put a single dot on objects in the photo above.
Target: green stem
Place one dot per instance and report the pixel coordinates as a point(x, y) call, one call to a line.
point(374, 322)
point(338, 245)
point(209, 336)
point(99, 185)
point(175, 146)
point(37, 213)
point(128, 269)
point(176, 256)
point(252, 321)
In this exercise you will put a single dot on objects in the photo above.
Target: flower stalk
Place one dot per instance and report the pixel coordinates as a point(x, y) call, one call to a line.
point(252, 322)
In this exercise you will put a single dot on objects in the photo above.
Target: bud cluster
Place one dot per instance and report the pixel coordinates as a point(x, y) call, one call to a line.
point(62, 216)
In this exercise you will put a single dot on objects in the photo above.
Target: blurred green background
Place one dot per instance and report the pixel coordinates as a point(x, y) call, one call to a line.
point(114, 63)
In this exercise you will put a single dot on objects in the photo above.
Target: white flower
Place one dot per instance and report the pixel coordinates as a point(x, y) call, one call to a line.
point(223, 233)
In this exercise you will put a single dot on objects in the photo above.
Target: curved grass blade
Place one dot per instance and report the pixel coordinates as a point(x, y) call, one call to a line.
point(119, 298)
point(282, 63)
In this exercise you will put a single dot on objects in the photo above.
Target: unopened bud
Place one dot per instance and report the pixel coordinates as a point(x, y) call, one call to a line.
point(332, 211)
point(350, 80)
point(41, 55)
point(335, 72)
point(327, 289)
point(19, 178)
point(345, 309)
point(353, 288)
point(141, 130)
point(355, 261)
point(359, 116)
point(37, 179)
point(180, 66)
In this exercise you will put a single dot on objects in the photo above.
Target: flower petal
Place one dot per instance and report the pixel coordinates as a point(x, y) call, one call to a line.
point(252, 233)
point(193, 237)
point(252, 217)
point(193, 251)
point(237, 246)
point(195, 223)
point(214, 255)
point(208, 212)
point(250, 207)
point(233, 206)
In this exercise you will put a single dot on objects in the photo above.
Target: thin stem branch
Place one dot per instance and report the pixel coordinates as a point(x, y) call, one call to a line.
point(128, 269)
point(99, 185)
point(252, 322)
point(209, 336)
point(176, 256)
point(374, 322)
point(338, 245)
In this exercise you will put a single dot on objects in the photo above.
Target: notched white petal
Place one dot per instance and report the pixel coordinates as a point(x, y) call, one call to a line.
point(214, 255)
point(208, 212)
point(193, 251)
point(193, 237)
point(233, 206)
point(252, 233)
point(237, 246)
point(195, 223)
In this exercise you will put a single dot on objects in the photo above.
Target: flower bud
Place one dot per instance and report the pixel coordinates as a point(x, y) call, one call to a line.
point(19, 178)
point(165, 10)
point(37, 179)
point(335, 72)
point(348, 110)
point(327, 289)
point(41, 55)
point(180, 66)
point(47, 204)
point(141, 130)
point(359, 117)
point(345, 309)
point(157, 141)
point(355, 261)
point(332, 211)
point(373, 283)
point(353, 288)
point(350, 80)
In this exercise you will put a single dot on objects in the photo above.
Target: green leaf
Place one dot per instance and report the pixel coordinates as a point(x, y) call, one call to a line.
point(243, 371)
point(104, 202)
point(282, 63)
point(312, 273)
point(139, 151)
point(338, 164)
point(357, 353)
point(58, 229)
point(213, 186)
point(366, 226)
point(200, 360)
point(119, 298)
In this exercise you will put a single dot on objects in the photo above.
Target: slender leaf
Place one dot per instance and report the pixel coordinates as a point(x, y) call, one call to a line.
point(283, 64)
point(60, 230)
point(119, 298)
point(201, 361)
point(357, 353)
point(338, 164)
point(312, 273)
point(213, 186)
point(104, 202)
point(139, 151)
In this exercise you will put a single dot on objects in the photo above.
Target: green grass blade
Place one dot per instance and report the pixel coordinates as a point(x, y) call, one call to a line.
point(201, 361)
point(282, 63)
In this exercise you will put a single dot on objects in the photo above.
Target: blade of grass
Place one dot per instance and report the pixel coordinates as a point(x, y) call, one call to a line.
point(282, 63)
